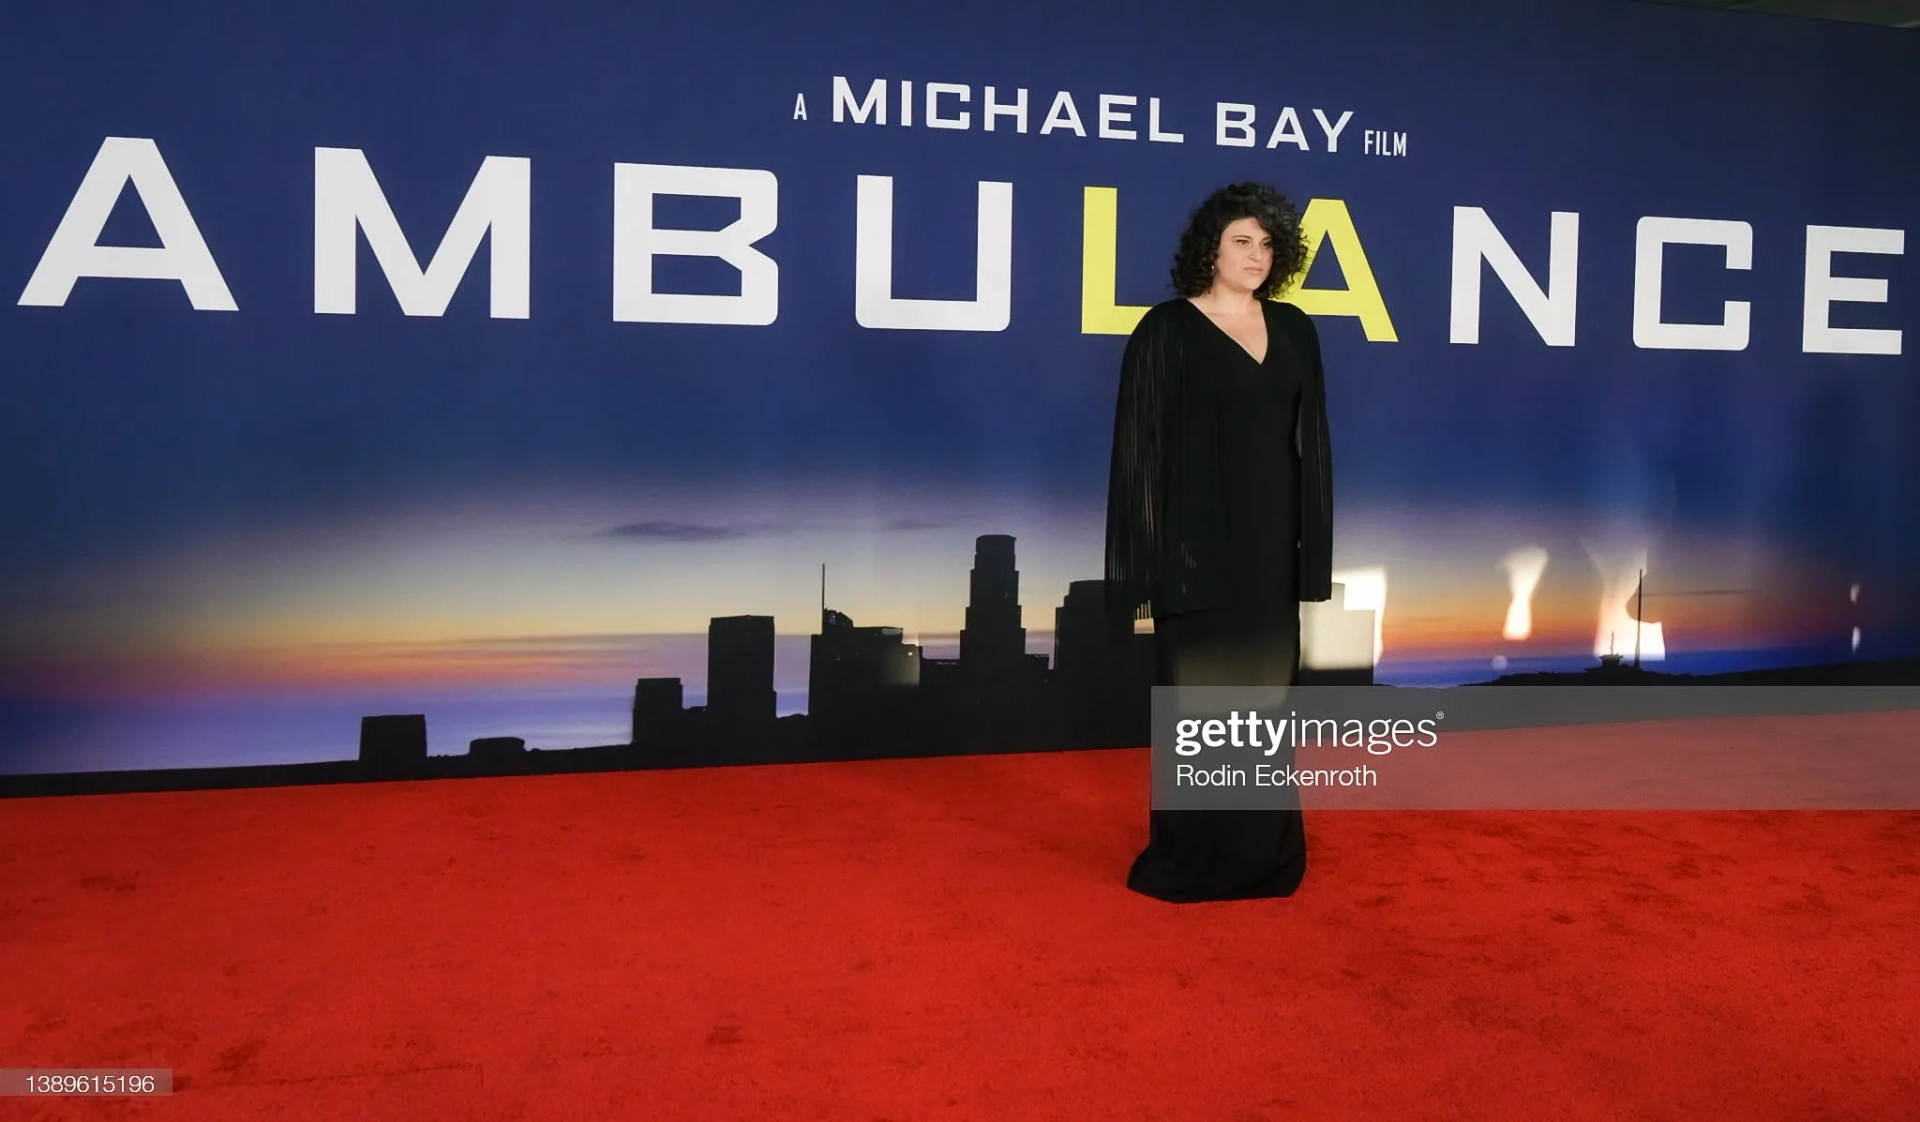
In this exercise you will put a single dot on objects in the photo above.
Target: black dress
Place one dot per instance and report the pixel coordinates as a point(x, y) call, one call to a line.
point(1248, 632)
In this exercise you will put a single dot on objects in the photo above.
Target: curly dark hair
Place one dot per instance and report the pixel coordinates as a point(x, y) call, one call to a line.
point(1200, 245)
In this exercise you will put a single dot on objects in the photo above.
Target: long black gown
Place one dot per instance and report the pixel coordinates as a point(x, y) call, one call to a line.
point(1252, 634)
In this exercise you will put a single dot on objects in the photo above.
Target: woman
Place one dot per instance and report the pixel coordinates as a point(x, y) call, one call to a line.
point(1220, 511)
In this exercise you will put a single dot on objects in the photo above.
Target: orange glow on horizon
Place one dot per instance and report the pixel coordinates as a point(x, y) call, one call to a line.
point(1437, 633)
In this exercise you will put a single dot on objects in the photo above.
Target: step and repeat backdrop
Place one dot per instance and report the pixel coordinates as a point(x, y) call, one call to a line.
point(737, 382)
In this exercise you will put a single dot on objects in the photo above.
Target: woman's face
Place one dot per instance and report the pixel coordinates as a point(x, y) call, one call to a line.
point(1246, 256)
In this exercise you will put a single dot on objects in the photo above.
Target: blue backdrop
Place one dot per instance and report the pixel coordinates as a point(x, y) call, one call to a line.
point(233, 531)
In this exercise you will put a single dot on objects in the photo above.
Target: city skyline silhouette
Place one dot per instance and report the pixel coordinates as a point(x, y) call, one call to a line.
point(872, 694)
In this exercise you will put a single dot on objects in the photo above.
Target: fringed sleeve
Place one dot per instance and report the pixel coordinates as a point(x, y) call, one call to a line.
point(1314, 440)
point(1136, 483)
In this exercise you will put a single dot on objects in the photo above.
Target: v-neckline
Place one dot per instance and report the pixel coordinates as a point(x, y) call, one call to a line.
point(1228, 336)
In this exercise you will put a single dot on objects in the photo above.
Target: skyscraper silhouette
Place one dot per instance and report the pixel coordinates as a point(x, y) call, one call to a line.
point(1102, 671)
point(658, 717)
point(852, 669)
point(1088, 642)
point(994, 693)
point(992, 639)
point(740, 693)
point(394, 742)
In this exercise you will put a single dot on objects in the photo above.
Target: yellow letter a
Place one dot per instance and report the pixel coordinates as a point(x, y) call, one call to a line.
point(1328, 220)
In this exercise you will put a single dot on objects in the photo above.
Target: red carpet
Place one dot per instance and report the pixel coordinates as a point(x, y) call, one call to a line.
point(943, 939)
